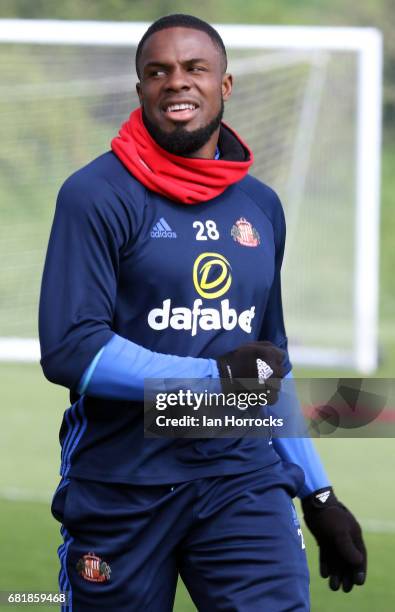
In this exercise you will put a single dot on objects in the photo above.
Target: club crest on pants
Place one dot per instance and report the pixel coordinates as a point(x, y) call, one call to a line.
point(92, 568)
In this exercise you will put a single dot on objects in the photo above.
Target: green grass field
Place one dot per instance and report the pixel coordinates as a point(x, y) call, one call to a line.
point(361, 469)
point(32, 409)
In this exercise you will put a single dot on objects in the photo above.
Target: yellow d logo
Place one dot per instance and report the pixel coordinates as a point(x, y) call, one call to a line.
point(201, 270)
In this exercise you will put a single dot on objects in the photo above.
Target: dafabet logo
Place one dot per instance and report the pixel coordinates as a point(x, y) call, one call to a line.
point(212, 275)
point(212, 278)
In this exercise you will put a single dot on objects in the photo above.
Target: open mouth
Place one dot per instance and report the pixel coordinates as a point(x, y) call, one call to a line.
point(181, 112)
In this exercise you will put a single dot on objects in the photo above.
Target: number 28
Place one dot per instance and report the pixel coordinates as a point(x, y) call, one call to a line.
point(206, 230)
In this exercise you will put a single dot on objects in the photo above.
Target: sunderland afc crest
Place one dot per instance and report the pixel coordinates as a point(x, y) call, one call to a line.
point(244, 233)
point(92, 568)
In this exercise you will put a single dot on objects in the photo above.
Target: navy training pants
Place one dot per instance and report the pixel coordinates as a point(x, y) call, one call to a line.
point(235, 541)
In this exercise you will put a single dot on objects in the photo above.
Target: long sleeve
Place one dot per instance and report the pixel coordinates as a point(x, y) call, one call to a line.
point(296, 448)
point(79, 280)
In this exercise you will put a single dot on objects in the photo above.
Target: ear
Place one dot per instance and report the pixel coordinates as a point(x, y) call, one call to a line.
point(139, 92)
point(226, 86)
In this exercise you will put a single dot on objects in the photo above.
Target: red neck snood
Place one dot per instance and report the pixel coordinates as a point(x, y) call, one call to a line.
point(182, 179)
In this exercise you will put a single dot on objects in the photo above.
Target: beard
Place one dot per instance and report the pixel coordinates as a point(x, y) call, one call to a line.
point(180, 141)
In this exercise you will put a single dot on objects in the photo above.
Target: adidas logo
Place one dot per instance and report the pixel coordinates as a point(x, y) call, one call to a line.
point(162, 230)
point(323, 496)
point(264, 371)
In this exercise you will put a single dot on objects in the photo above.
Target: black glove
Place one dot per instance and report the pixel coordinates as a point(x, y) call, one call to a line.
point(261, 362)
point(339, 537)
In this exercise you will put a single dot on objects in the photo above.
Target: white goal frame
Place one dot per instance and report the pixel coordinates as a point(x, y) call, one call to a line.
point(367, 43)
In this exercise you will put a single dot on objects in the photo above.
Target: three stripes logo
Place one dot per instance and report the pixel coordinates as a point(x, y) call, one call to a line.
point(264, 371)
point(75, 423)
point(162, 230)
point(323, 496)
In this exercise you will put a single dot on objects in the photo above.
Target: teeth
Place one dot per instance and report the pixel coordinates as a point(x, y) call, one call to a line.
point(177, 107)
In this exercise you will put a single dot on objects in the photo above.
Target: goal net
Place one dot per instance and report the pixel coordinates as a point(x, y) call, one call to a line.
point(307, 100)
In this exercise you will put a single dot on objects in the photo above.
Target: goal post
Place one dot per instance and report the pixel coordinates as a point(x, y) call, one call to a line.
point(307, 100)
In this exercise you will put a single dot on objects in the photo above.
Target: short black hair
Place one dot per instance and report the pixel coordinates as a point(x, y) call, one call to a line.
point(179, 20)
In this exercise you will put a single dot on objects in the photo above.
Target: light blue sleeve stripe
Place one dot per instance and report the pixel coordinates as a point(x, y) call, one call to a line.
point(85, 380)
point(302, 451)
point(119, 369)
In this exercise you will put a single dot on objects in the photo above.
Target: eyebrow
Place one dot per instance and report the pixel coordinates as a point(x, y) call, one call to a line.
point(192, 60)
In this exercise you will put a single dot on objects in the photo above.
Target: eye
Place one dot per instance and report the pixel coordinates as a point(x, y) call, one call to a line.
point(198, 69)
point(157, 73)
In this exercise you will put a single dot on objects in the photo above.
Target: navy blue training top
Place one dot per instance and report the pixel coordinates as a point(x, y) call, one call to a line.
point(188, 280)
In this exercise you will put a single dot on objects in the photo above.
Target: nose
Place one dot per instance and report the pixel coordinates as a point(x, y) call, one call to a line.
point(177, 79)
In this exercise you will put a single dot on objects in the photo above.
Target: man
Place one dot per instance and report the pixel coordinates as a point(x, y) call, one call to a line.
point(164, 262)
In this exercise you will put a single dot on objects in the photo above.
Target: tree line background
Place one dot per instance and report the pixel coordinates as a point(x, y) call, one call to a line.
point(374, 13)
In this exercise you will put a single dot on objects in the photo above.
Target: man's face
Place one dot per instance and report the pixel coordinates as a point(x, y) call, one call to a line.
point(182, 90)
